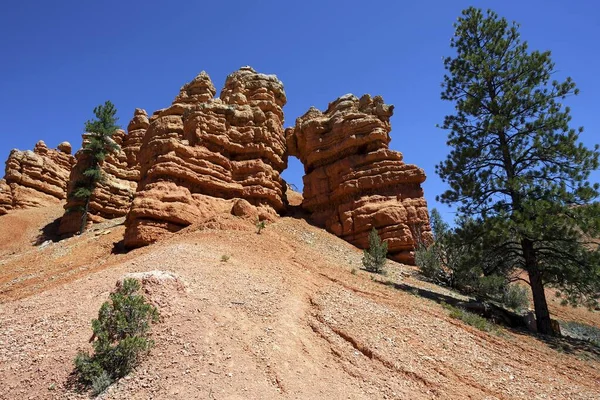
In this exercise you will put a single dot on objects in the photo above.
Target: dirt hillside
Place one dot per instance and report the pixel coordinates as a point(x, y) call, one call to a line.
point(289, 315)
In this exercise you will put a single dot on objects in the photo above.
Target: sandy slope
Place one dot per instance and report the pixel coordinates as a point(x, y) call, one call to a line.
point(284, 317)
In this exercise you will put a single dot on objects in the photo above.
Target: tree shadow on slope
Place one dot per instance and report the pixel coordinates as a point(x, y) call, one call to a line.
point(514, 322)
point(49, 233)
point(582, 349)
point(488, 310)
point(73, 384)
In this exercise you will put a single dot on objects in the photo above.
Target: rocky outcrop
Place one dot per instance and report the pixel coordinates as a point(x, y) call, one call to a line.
point(353, 182)
point(202, 153)
point(5, 197)
point(35, 178)
point(133, 141)
point(114, 193)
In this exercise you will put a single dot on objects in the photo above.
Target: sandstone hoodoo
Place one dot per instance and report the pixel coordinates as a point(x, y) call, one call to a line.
point(202, 153)
point(353, 181)
point(36, 178)
point(121, 172)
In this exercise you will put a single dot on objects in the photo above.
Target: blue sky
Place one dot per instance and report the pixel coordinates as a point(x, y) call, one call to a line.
point(60, 59)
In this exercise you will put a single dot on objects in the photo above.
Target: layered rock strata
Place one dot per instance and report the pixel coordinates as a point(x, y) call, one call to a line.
point(202, 153)
point(36, 178)
point(353, 181)
point(114, 193)
point(5, 197)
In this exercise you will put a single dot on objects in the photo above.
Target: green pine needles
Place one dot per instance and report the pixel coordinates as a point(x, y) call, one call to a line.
point(375, 257)
point(260, 225)
point(98, 145)
point(517, 171)
point(120, 334)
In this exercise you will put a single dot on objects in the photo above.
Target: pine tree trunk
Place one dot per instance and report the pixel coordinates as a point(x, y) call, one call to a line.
point(84, 215)
point(542, 314)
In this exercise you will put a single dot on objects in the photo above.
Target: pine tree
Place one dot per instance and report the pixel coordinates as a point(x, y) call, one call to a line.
point(97, 147)
point(375, 257)
point(517, 169)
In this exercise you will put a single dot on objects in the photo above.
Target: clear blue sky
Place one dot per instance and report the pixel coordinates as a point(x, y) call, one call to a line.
point(62, 58)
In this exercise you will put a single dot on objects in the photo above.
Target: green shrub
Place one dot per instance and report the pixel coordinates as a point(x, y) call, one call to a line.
point(515, 297)
point(120, 334)
point(465, 265)
point(375, 257)
point(100, 383)
point(471, 319)
point(260, 225)
point(490, 287)
point(429, 264)
point(225, 258)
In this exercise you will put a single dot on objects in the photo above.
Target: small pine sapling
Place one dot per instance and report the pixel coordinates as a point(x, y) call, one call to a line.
point(260, 225)
point(375, 257)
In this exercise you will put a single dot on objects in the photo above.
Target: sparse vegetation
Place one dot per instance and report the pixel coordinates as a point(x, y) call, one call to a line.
point(470, 318)
point(375, 257)
point(450, 262)
point(353, 271)
point(515, 297)
point(225, 258)
point(260, 225)
point(120, 337)
point(581, 331)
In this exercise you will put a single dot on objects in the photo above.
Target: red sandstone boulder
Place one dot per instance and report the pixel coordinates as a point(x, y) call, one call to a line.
point(201, 153)
point(243, 209)
point(353, 182)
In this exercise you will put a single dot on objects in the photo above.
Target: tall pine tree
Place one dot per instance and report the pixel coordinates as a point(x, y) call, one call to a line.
point(97, 147)
point(516, 167)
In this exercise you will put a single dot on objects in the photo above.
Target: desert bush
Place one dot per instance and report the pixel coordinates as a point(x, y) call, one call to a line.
point(428, 261)
point(260, 225)
point(465, 265)
point(581, 331)
point(225, 258)
point(375, 257)
point(472, 319)
point(446, 261)
point(120, 337)
point(515, 297)
point(100, 383)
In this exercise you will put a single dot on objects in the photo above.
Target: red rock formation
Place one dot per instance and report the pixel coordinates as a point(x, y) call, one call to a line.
point(121, 171)
point(133, 141)
point(353, 182)
point(35, 178)
point(202, 153)
point(5, 197)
